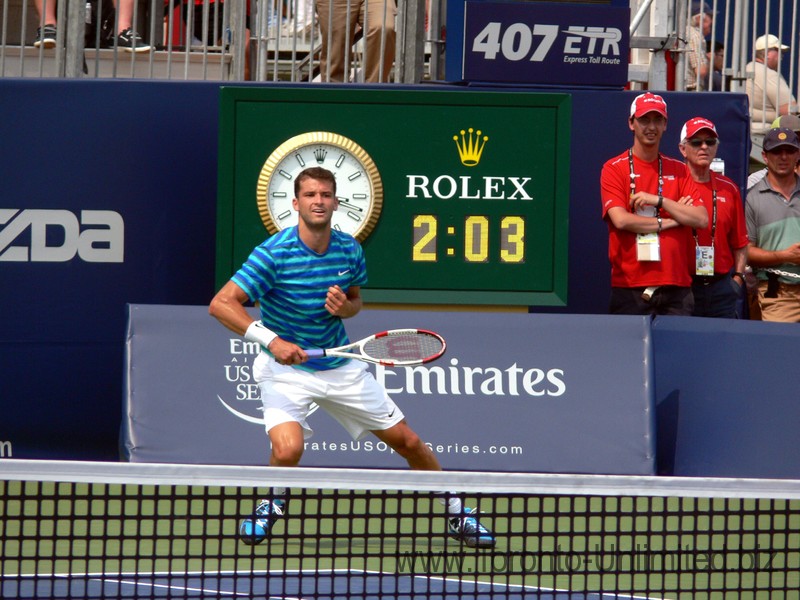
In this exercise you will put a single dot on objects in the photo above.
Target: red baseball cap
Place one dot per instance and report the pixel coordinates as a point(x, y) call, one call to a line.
point(648, 102)
point(696, 124)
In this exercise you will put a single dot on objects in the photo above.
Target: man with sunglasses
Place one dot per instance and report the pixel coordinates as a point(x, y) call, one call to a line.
point(721, 247)
point(647, 205)
point(772, 214)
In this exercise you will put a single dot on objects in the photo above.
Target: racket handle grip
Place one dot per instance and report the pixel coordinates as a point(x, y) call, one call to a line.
point(315, 353)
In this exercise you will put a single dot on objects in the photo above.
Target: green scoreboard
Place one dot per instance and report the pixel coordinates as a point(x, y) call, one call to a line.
point(458, 197)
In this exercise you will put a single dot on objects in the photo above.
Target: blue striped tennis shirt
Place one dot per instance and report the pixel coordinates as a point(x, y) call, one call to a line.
point(291, 281)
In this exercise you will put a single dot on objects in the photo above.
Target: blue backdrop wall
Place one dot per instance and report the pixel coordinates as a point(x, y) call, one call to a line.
point(132, 166)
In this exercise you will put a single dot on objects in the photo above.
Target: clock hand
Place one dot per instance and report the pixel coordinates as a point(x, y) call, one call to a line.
point(346, 203)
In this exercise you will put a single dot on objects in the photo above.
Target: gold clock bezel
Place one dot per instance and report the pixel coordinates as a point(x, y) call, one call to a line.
point(321, 137)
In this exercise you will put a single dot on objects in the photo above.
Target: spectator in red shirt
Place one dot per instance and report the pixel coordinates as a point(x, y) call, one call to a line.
point(647, 203)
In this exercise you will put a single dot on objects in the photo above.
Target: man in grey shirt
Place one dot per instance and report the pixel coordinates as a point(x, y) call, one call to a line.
point(772, 214)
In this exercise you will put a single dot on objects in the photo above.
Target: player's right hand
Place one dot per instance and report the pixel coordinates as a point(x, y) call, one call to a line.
point(287, 353)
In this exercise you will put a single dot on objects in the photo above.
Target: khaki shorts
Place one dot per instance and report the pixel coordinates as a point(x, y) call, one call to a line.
point(785, 308)
point(350, 394)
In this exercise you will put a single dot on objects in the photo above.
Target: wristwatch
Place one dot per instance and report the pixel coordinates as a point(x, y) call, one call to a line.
point(359, 188)
point(738, 274)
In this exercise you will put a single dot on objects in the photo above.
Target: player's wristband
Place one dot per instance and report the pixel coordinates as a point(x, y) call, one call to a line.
point(260, 334)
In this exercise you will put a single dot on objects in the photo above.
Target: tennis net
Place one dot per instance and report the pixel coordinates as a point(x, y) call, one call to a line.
point(119, 530)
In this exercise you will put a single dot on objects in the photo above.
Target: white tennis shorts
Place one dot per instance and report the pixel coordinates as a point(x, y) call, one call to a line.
point(350, 394)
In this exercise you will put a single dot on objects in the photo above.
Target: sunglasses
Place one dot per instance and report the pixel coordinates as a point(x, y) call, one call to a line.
point(710, 142)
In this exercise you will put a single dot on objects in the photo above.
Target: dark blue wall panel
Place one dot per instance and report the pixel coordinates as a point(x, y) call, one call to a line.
point(726, 395)
point(148, 151)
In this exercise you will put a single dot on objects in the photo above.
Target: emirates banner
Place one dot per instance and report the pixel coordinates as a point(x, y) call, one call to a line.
point(539, 401)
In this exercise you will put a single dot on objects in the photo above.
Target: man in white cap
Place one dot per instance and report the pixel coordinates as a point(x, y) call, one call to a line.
point(720, 248)
point(772, 213)
point(647, 205)
point(770, 96)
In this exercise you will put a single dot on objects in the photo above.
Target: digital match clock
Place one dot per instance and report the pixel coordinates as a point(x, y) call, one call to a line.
point(475, 245)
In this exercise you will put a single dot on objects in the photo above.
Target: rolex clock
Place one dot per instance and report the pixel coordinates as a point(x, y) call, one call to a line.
point(359, 189)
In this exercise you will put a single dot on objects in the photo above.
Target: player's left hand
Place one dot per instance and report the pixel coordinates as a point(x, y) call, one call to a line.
point(335, 301)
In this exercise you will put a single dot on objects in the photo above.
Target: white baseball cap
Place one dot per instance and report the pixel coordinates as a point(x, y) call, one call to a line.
point(766, 42)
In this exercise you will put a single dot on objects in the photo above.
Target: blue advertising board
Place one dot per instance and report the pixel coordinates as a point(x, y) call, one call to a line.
point(726, 397)
point(548, 44)
point(533, 403)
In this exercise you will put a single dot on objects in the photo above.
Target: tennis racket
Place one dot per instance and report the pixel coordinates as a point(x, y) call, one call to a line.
point(393, 348)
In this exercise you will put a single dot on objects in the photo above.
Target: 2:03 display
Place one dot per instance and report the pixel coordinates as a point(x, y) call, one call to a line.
point(476, 248)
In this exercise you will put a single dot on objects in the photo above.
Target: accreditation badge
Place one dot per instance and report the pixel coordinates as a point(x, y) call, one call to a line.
point(704, 261)
point(648, 247)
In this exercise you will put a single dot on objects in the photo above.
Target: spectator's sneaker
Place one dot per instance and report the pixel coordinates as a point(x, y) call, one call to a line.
point(45, 36)
point(469, 530)
point(130, 41)
point(254, 530)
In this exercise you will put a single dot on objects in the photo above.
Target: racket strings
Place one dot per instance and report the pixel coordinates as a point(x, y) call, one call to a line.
point(404, 346)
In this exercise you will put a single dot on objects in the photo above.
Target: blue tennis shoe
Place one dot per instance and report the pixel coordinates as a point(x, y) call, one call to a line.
point(255, 529)
point(468, 529)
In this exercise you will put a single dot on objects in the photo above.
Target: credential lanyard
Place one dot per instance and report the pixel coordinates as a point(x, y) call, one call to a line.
point(713, 213)
point(633, 176)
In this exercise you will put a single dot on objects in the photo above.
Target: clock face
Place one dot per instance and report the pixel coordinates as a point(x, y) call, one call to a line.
point(358, 184)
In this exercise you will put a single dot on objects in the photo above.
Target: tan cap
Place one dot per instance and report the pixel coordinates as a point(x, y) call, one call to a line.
point(770, 41)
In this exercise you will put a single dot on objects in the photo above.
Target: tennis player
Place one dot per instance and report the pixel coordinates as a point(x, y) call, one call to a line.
point(306, 279)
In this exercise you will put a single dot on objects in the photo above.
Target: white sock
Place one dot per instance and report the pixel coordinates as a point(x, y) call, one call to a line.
point(453, 503)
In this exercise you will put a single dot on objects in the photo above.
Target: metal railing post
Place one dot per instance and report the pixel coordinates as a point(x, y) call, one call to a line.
point(76, 32)
point(436, 20)
point(238, 40)
point(410, 41)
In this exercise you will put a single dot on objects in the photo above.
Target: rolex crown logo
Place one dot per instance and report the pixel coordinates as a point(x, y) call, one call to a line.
point(470, 146)
point(320, 154)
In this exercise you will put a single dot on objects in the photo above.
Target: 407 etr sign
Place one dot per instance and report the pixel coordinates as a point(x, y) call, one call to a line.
point(554, 45)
